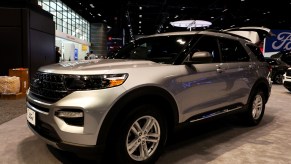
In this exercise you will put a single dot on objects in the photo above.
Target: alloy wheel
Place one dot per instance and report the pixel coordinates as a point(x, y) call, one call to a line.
point(257, 107)
point(143, 138)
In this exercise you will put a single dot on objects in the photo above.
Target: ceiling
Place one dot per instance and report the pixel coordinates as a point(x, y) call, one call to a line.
point(143, 17)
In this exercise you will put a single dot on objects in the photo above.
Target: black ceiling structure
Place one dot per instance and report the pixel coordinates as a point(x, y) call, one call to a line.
point(144, 17)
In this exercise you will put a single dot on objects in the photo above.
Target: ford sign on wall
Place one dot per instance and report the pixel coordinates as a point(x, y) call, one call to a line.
point(281, 41)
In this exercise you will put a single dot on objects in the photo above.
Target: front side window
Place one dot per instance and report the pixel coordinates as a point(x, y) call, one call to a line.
point(208, 44)
point(162, 49)
point(232, 51)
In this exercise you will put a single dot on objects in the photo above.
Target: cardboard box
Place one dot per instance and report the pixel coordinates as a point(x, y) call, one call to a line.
point(23, 74)
point(9, 84)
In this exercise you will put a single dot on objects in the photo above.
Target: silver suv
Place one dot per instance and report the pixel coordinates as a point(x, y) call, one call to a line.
point(126, 107)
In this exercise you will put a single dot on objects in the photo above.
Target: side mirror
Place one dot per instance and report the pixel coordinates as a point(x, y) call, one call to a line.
point(200, 57)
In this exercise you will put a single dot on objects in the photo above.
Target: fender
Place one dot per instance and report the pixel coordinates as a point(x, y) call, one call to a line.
point(156, 94)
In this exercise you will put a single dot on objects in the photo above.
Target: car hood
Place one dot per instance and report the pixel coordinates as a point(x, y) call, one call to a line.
point(96, 65)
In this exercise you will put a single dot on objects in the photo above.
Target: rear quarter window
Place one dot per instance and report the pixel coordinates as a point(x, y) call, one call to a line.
point(258, 53)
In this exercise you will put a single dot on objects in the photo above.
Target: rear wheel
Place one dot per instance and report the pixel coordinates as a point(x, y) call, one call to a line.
point(141, 136)
point(255, 109)
point(278, 78)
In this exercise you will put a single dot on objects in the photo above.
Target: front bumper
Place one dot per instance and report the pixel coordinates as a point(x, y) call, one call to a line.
point(62, 145)
point(55, 131)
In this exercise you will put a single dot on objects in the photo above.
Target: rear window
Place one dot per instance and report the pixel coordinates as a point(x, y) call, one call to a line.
point(256, 50)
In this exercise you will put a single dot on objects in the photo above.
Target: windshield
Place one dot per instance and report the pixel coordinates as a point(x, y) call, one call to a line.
point(162, 49)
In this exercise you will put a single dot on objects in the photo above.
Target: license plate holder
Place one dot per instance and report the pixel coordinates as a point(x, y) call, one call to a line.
point(30, 116)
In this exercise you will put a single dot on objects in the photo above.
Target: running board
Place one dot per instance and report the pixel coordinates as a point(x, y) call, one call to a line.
point(216, 113)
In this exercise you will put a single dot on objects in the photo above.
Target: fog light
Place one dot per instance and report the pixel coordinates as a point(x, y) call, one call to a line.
point(69, 114)
point(73, 117)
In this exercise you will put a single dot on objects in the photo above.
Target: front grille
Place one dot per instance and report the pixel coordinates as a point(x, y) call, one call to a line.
point(288, 72)
point(48, 86)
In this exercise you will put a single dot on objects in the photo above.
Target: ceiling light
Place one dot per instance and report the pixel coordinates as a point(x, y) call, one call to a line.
point(212, 17)
point(176, 16)
point(181, 41)
point(129, 25)
point(139, 22)
point(140, 8)
point(99, 14)
point(104, 20)
point(92, 5)
point(139, 26)
point(224, 10)
point(191, 23)
point(140, 16)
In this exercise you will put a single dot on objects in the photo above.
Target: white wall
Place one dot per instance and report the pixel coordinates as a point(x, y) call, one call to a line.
point(69, 51)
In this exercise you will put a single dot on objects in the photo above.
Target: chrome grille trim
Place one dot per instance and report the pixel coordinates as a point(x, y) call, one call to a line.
point(48, 86)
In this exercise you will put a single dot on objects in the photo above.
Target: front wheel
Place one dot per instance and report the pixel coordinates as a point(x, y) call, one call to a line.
point(141, 136)
point(255, 109)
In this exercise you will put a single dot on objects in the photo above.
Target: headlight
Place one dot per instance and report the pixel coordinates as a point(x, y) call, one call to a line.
point(90, 82)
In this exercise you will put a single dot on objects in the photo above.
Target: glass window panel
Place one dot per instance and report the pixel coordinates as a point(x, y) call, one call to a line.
point(59, 15)
point(39, 2)
point(53, 6)
point(59, 5)
point(65, 30)
point(45, 7)
point(66, 20)
point(59, 27)
point(59, 21)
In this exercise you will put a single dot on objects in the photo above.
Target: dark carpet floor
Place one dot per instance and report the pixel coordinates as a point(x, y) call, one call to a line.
point(10, 109)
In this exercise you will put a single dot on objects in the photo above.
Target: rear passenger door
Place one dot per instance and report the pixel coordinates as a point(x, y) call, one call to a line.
point(239, 73)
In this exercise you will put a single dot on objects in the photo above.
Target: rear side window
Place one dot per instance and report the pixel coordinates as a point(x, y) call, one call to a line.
point(233, 51)
point(258, 53)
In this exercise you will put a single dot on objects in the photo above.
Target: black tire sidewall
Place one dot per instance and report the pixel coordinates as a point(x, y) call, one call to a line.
point(248, 115)
point(275, 79)
point(123, 128)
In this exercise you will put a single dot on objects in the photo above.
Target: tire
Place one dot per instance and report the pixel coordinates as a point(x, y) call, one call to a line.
point(255, 109)
point(141, 136)
point(278, 78)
